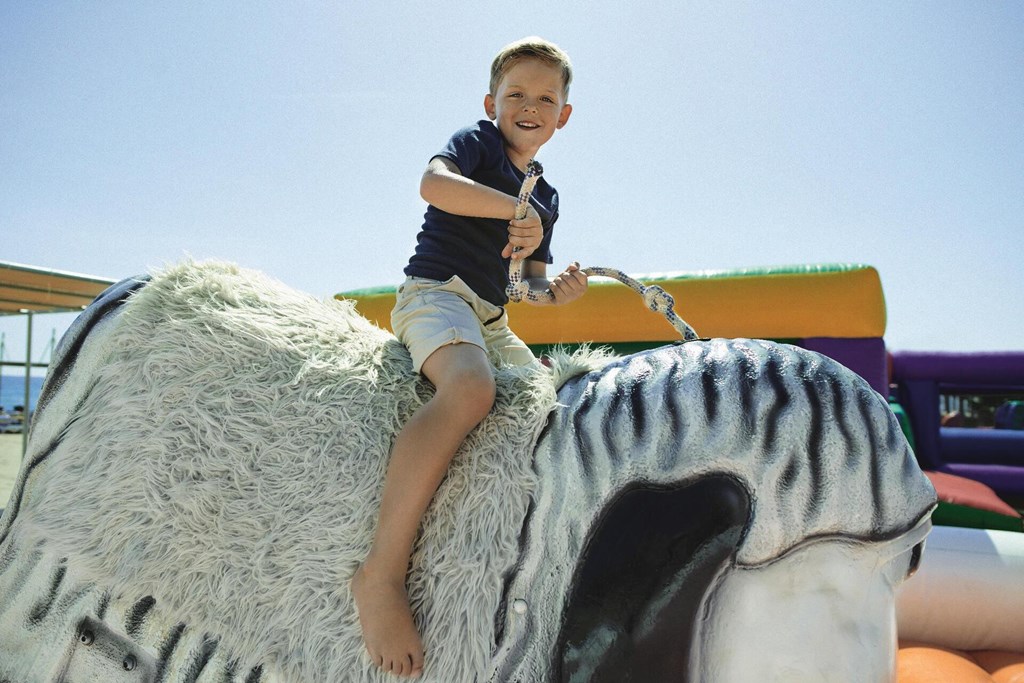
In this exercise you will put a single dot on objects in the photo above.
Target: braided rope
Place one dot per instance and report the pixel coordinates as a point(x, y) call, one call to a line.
point(655, 298)
point(517, 290)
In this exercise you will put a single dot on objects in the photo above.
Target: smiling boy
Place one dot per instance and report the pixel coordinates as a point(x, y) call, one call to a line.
point(450, 314)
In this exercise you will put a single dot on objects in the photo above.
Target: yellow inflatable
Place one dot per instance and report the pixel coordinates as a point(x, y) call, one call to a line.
point(829, 300)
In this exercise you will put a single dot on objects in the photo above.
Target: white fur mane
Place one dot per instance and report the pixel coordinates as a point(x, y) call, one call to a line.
point(228, 461)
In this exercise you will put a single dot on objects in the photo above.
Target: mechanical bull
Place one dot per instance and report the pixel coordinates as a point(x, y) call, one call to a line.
point(198, 491)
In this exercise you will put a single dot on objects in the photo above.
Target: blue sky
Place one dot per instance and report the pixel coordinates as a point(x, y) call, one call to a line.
point(289, 137)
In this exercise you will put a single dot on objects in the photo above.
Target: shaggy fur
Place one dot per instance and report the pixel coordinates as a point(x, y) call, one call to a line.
point(228, 461)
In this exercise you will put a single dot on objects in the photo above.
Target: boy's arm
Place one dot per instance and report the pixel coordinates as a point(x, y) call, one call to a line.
point(444, 186)
point(567, 286)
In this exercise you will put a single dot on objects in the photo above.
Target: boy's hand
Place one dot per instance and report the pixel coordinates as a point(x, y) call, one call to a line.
point(569, 285)
point(526, 233)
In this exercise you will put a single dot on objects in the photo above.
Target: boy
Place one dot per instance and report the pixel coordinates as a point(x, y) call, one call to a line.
point(449, 313)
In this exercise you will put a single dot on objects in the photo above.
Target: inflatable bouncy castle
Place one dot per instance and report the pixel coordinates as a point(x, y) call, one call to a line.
point(837, 310)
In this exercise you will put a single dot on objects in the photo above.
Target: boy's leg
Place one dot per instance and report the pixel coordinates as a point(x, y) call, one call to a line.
point(464, 382)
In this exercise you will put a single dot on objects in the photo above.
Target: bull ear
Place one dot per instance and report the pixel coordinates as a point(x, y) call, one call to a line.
point(651, 557)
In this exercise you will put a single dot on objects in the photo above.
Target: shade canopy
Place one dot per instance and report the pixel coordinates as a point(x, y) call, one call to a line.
point(26, 289)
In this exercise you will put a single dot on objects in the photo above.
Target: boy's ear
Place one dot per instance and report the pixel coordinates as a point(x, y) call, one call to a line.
point(563, 117)
point(489, 107)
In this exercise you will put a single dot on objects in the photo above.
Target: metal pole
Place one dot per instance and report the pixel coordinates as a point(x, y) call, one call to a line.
point(28, 387)
point(3, 338)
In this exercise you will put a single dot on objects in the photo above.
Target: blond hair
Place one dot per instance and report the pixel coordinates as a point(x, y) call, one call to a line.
point(531, 47)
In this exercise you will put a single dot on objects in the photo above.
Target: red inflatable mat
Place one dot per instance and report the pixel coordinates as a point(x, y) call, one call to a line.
point(962, 491)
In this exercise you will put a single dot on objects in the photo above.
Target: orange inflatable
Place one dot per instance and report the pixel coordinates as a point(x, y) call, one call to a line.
point(836, 300)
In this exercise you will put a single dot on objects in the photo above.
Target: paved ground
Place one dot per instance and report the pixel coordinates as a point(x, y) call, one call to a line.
point(10, 462)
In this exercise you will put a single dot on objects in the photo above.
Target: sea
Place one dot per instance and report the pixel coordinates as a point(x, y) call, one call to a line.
point(12, 391)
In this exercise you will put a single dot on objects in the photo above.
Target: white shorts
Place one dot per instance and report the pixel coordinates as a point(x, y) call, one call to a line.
point(429, 314)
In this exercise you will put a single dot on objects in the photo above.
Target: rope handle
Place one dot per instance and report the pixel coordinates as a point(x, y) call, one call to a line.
point(517, 289)
point(655, 298)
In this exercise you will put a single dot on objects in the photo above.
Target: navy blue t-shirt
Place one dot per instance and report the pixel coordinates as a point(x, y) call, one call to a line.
point(471, 247)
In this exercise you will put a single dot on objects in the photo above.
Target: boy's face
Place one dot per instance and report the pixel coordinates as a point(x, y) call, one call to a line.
point(528, 107)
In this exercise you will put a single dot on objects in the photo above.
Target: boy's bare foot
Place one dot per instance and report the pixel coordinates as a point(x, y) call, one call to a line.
point(388, 629)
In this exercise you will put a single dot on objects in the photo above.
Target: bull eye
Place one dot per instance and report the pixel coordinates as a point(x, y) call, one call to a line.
point(915, 559)
point(129, 663)
point(86, 637)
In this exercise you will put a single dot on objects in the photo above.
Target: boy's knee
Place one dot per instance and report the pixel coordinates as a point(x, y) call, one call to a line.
point(472, 394)
point(479, 389)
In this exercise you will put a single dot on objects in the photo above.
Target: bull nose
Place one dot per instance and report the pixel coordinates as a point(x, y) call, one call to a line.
point(639, 584)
